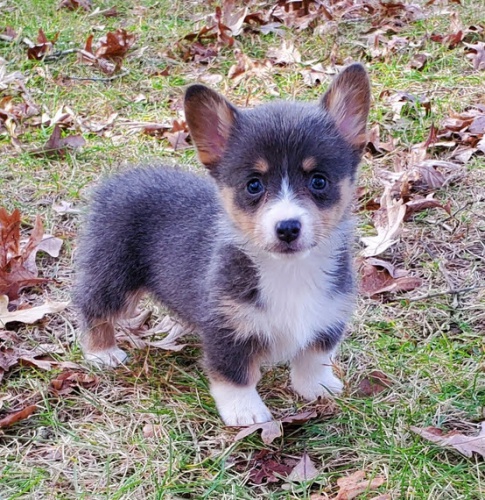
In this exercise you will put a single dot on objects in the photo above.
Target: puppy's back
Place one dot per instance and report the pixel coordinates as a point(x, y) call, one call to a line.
point(138, 223)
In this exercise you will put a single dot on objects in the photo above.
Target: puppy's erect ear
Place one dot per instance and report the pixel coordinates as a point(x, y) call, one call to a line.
point(347, 101)
point(210, 119)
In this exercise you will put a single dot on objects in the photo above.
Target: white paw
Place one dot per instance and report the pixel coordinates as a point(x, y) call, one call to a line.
point(239, 406)
point(107, 358)
point(311, 388)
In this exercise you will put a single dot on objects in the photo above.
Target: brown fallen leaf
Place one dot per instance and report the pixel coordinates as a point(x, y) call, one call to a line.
point(419, 204)
point(388, 223)
point(75, 4)
point(355, 484)
point(268, 467)
point(110, 52)
point(30, 315)
point(9, 34)
point(466, 445)
point(314, 76)
point(43, 47)
point(15, 273)
point(178, 135)
point(274, 429)
point(418, 62)
point(70, 381)
point(374, 383)
point(269, 431)
point(233, 18)
point(304, 470)
point(57, 145)
point(451, 40)
point(476, 53)
point(17, 416)
point(286, 54)
point(246, 68)
point(379, 276)
point(115, 44)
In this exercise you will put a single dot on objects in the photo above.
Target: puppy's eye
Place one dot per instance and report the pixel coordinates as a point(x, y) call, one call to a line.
point(318, 182)
point(255, 186)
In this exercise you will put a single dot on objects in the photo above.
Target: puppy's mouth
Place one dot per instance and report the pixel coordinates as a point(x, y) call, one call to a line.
point(289, 249)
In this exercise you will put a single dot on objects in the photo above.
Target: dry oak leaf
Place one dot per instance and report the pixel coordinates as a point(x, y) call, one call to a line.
point(379, 276)
point(115, 44)
point(304, 470)
point(178, 135)
point(274, 429)
point(17, 262)
point(266, 467)
point(30, 315)
point(466, 445)
point(8, 34)
point(233, 18)
point(17, 416)
point(388, 223)
point(375, 383)
point(70, 381)
point(355, 484)
point(75, 4)
point(57, 145)
point(286, 54)
point(419, 204)
point(245, 67)
point(43, 47)
point(477, 55)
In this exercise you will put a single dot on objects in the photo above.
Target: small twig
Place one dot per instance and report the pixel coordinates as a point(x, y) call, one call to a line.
point(59, 54)
point(439, 294)
point(98, 79)
point(99, 12)
point(453, 215)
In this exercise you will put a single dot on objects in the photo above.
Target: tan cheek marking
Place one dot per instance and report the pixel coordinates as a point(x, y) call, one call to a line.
point(346, 188)
point(328, 218)
point(261, 166)
point(245, 222)
point(309, 164)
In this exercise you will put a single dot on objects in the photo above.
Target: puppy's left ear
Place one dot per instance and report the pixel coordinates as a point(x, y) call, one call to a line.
point(347, 101)
point(210, 119)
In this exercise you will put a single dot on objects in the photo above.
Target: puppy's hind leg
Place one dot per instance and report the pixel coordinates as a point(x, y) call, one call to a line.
point(98, 343)
point(100, 313)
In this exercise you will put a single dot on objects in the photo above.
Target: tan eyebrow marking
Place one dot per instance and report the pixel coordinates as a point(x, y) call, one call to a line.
point(309, 164)
point(261, 166)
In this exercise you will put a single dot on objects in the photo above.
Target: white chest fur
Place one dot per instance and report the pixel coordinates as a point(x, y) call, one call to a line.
point(298, 300)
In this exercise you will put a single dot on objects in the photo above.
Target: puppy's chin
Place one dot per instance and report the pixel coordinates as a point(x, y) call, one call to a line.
point(289, 252)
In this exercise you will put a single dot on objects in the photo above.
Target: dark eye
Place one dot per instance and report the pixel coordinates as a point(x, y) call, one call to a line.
point(255, 186)
point(318, 182)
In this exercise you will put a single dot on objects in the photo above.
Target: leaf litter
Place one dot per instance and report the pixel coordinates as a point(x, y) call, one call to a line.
point(274, 429)
point(466, 445)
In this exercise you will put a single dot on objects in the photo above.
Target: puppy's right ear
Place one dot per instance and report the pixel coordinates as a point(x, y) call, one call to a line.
point(210, 119)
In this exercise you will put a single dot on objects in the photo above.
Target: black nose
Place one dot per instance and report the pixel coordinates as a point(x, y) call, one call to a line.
point(288, 230)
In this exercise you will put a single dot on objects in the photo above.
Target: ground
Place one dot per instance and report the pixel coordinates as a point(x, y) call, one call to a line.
point(150, 429)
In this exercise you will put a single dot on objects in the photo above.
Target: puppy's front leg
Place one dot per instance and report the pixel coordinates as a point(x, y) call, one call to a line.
point(234, 370)
point(312, 374)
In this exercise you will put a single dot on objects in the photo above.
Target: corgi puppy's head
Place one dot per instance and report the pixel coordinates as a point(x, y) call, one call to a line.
point(285, 170)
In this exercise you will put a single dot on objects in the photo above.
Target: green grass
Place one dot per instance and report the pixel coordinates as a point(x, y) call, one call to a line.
point(90, 443)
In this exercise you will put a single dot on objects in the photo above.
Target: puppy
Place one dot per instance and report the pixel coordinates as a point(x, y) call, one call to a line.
point(256, 257)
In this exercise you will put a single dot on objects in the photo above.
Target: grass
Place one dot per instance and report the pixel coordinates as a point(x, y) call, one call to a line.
point(90, 443)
